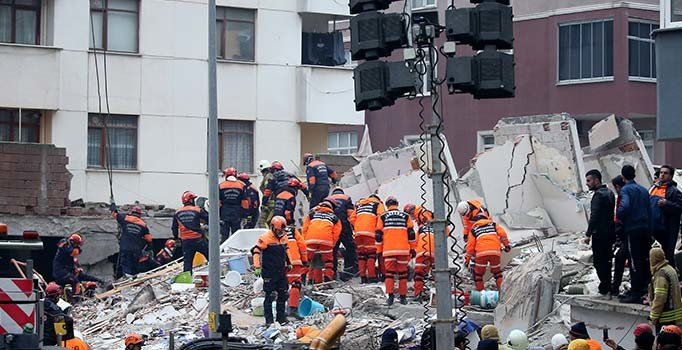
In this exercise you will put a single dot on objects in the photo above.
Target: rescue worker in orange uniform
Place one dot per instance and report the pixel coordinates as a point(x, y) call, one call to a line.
point(424, 260)
point(285, 201)
point(396, 242)
point(320, 177)
point(187, 226)
point(165, 255)
point(134, 341)
point(368, 211)
point(469, 210)
point(298, 256)
point(233, 203)
point(321, 230)
point(272, 262)
point(345, 211)
point(251, 194)
point(485, 241)
point(135, 238)
point(280, 178)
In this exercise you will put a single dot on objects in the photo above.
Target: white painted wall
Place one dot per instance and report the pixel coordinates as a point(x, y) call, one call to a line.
point(165, 84)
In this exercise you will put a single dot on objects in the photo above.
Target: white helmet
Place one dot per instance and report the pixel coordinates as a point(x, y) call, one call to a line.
point(463, 208)
point(263, 164)
point(558, 340)
point(518, 340)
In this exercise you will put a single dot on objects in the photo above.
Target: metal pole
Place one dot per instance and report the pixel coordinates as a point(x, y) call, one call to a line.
point(444, 323)
point(214, 296)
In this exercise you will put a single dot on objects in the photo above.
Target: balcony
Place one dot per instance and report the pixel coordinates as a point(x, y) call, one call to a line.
point(326, 96)
point(31, 76)
point(337, 8)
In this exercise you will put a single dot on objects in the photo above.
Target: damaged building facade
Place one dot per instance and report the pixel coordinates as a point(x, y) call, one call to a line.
point(613, 72)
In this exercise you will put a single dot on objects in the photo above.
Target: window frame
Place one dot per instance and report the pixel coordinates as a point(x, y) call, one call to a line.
point(103, 140)
point(339, 150)
point(480, 140)
point(15, 128)
point(648, 142)
point(666, 15)
point(569, 81)
point(222, 48)
point(653, 48)
point(222, 132)
point(13, 21)
point(105, 26)
point(423, 7)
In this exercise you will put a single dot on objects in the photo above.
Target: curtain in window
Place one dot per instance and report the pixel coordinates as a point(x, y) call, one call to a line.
point(5, 24)
point(237, 139)
point(122, 134)
point(94, 147)
point(26, 25)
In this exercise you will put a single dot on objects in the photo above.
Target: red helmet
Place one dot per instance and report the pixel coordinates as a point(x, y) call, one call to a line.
point(294, 182)
point(134, 339)
point(76, 239)
point(391, 201)
point(53, 289)
point(230, 172)
point(136, 210)
point(188, 197)
point(277, 165)
point(243, 176)
point(409, 208)
point(170, 244)
point(278, 223)
point(307, 158)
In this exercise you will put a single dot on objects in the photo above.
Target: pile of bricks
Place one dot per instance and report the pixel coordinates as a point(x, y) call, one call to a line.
point(33, 179)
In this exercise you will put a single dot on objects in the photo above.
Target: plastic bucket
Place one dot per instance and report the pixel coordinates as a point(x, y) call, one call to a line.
point(233, 279)
point(309, 307)
point(343, 301)
point(239, 263)
point(486, 299)
point(257, 306)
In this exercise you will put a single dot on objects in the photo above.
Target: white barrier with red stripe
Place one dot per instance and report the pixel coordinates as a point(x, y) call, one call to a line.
point(17, 305)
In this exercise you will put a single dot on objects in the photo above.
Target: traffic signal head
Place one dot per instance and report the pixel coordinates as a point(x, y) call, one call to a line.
point(489, 74)
point(375, 34)
point(378, 84)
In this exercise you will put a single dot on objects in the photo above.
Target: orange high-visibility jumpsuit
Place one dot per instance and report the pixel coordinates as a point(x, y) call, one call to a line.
point(298, 256)
point(476, 208)
point(426, 245)
point(321, 230)
point(484, 244)
point(396, 241)
point(368, 211)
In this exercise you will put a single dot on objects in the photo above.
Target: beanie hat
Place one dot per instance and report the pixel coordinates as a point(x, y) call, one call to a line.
point(579, 344)
point(490, 332)
point(642, 328)
point(558, 340)
point(487, 344)
point(579, 330)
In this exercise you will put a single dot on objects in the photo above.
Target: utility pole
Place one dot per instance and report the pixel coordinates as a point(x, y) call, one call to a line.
point(214, 295)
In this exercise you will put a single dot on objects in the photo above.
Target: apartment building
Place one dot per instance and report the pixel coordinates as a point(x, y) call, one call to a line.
point(283, 81)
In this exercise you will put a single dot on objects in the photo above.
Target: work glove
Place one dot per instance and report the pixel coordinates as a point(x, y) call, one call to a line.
point(257, 272)
point(507, 249)
point(413, 253)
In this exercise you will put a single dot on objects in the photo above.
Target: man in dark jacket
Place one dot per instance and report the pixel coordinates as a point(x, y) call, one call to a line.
point(345, 211)
point(622, 252)
point(667, 204)
point(601, 229)
point(53, 313)
point(134, 240)
point(634, 212)
point(320, 177)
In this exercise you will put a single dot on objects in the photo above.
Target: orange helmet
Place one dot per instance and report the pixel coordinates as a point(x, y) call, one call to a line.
point(136, 211)
point(134, 339)
point(307, 158)
point(390, 201)
point(672, 329)
point(294, 182)
point(170, 244)
point(422, 214)
point(230, 172)
point(188, 197)
point(53, 289)
point(76, 239)
point(277, 165)
point(278, 223)
point(243, 176)
point(409, 208)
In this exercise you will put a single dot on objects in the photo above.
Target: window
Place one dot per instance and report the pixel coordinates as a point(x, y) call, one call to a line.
point(236, 144)
point(676, 10)
point(486, 141)
point(424, 67)
point(345, 142)
point(120, 139)
point(671, 14)
point(115, 24)
point(20, 21)
point(236, 30)
point(417, 4)
point(586, 50)
point(648, 139)
point(641, 49)
point(19, 125)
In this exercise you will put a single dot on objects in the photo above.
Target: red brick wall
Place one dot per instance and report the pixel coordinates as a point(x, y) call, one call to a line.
point(33, 179)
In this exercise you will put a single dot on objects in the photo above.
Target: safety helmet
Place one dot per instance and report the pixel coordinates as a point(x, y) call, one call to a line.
point(328, 203)
point(374, 195)
point(422, 214)
point(243, 176)
point(518, 340)
point(409, 208)
point(463, 208)
point(390, 201)
point(53, 289)
point(263, 164)
point(278, 223)
point(294, 182)
point(170, 244)
point(188, 197)
point(136, 211)
point(307, 158)
point(76, 239)
point(277, 165)
point(77, 344)
point(230, 172)
point(338, 190)
point(134, 339)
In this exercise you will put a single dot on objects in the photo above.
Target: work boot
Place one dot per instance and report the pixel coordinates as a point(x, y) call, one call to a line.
point(282, 321)
point(268, 322)
point(403, 299)
point(631, 299)
point(372, 280)
point(363, 280)
point(390, 300)
point(293, 312)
